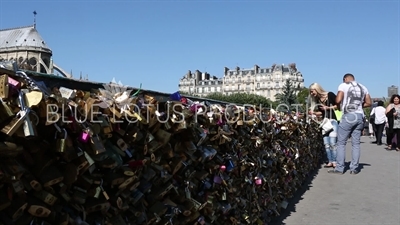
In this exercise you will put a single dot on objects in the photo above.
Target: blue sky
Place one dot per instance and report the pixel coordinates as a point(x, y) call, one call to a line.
point(156, 42)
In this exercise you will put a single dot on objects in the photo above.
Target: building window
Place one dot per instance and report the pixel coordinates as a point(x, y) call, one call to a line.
point(238, 86)
point(209, 89)
point(202, 89)
point(252, 72)
point(269, 93)
point(277, 84)
point(258, 85)
point(231, 73)
point(239, 79)
point(262, 71)
point(248, 78)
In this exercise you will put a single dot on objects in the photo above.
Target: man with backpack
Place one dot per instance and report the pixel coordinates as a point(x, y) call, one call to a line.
point(352, 97)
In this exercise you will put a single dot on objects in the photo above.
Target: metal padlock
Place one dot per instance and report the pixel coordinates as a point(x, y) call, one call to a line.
point(5, 111)
point(28, 127)
point(15, 123)
point(4, 87)
point(85, 135)
point(96, 145)
point(61, 143)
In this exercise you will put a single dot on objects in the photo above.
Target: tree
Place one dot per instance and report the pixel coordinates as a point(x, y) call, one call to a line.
point(242, 98)
point(288, 95)
point(302, 96)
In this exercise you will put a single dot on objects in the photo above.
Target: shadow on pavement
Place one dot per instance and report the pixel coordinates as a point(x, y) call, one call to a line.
point(360, 166)
point(299, 195)
point(296, 199)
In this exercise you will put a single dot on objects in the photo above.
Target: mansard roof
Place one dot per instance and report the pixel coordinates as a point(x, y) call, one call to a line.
point(22, 38)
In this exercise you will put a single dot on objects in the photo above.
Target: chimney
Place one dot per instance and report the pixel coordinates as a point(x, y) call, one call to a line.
point(256, 68)
point(226, 69)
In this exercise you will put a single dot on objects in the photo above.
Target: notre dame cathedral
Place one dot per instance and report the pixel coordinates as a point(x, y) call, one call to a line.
point(25, 46)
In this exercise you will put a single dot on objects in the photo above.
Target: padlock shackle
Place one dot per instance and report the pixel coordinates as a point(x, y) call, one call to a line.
point(21, 100)
point(61, 131)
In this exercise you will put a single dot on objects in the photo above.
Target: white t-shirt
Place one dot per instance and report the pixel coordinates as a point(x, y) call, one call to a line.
point(380, 115)
point(353, 97)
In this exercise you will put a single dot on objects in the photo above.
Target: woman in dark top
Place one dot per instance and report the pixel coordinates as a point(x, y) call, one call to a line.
point(323, 104)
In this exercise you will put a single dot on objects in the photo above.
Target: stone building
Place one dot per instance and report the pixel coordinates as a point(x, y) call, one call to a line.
point(267, 81)
point(26, 46)
point(392, 90)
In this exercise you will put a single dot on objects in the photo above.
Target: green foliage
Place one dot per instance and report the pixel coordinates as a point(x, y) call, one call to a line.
point(367, 111)
point(288, 95)
point(302, 96)
point(242, 98)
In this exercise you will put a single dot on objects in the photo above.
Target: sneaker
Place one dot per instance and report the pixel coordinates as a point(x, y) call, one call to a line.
point(335, 172)
point(354, 172)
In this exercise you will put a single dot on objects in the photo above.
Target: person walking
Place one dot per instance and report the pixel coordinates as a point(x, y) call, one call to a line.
point(393, 115)
point(325, 102)
point(380, 120)
point(371, 121)
point(352, 97)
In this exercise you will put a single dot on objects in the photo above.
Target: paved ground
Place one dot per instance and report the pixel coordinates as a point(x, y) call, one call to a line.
point(371, 197)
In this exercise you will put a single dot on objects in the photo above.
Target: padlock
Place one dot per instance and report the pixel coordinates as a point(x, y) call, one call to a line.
point(46, 197)
point(96, 145)
point(96, 204)
point(5, 111)
point(107, 128)
point(51, 176)
point(15, 123)
point(4, 86)
point(158, 209)
point(17, 208)
point(85, 135)
point(28, 127)
point(61, 142)
point(38, 209)
point(79, 195)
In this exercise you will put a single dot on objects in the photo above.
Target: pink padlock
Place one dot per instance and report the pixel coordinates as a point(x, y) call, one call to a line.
point(258, 181)
point(84, 137)
point(222, 168)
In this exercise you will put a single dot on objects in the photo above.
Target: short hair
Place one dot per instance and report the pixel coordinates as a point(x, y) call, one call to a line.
point(393, 97)
point(348, 75)
point(380, 103)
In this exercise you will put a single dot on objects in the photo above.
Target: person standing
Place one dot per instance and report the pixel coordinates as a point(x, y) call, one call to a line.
point(379, 120)
point(393, 115)
point(352, 97)
point(326, 106)
point(372, 120)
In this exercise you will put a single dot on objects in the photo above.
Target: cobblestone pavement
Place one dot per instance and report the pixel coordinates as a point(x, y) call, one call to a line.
point(368, 198)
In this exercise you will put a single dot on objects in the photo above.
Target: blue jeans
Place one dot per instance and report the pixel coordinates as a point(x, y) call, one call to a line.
point(350, 124)
point(330, 142)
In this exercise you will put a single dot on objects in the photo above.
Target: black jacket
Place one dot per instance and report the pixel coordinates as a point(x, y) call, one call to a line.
point(390, 117)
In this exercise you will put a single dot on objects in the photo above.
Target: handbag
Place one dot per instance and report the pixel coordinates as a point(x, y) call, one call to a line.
point(372, 118)
point(326, 126)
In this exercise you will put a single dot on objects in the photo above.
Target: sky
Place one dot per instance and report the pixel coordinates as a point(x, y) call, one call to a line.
point(155, 43)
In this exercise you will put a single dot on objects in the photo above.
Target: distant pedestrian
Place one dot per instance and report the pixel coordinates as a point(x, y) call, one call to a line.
point(380, 120)
point(352, 97)
point(393, 115)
